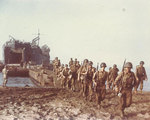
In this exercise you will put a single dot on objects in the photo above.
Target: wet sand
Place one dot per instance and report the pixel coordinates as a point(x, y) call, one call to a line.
point(60, 104)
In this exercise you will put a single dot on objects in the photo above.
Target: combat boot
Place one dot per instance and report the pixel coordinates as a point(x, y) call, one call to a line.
point(83, 94)
point(99, 106)
point(90, 98)
point(4, 83)
point(122, 113)
point(135, 92)
point(86, 98)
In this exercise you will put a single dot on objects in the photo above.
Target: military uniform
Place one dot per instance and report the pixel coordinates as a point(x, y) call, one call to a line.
point(127, 80)
point(70, 62)
point(141, 75)
point(76, 61)
point(56, 65)
point(73, 72)
point(5, 76)
point(82, 76)
point(59, 70)
point(59, 74)
point(87, 82)
point(78, 65)
point(113, 73)
point(100, 79)
point(65, 74)
point(90, 74)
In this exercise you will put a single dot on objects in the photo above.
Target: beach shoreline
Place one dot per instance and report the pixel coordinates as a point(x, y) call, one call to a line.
point(22, 103)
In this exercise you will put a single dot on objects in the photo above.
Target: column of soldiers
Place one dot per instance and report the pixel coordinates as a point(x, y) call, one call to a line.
point(92, 81)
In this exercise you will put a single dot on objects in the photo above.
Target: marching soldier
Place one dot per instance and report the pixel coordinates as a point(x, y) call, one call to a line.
point(82, 76)
point(78, 65)
point(59, 72)
point(65, 75)
point(5, 76)
point(141, 75)
point(73, 72)
point(113, 73)
point(56, 64)
point(89, 82)
point(99, 79)
point(70, 62)
point(127, 79)
point(76, 61)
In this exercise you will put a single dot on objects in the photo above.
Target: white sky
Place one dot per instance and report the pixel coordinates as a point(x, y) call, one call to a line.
point(101, 30)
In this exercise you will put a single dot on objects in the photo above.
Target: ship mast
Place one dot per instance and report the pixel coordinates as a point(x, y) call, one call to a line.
point(36, 40)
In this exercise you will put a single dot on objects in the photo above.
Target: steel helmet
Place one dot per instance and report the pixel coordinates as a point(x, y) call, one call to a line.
point(128, 65)
point(85, 61)
point(90, 63)
point(66, 65)
point(103, 65)
point(142, 62)
point(114, 65)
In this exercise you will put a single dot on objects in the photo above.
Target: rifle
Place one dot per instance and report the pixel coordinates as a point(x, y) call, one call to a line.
point(119, 94)
point(97, 66)
point(123, 66)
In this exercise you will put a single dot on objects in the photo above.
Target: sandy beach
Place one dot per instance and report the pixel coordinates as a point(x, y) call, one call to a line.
point(60, 104)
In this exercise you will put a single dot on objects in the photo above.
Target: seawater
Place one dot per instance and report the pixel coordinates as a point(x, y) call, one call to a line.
point(17, 81)
point(23, 81)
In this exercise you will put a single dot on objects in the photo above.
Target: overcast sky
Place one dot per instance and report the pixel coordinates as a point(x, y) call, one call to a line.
point(100, 30)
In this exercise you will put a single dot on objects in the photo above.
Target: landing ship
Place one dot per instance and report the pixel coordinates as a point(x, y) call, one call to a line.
point(19, 52)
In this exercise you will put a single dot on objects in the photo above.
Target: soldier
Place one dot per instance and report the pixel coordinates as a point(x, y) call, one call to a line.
point(76, 61)
point(5, 76)
point(78, 65)
point(82, 74)
point(141, 75)
point(89, 82)
point(65, 75)
point(56, 64)
point(127, 79)
point(42, 82)
point(99, 79)
point(73, 72)
point(59, 72)
point(94, 69)
point(78, 85)
point(59, 63)
point(113, 73)
point(70, 62)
